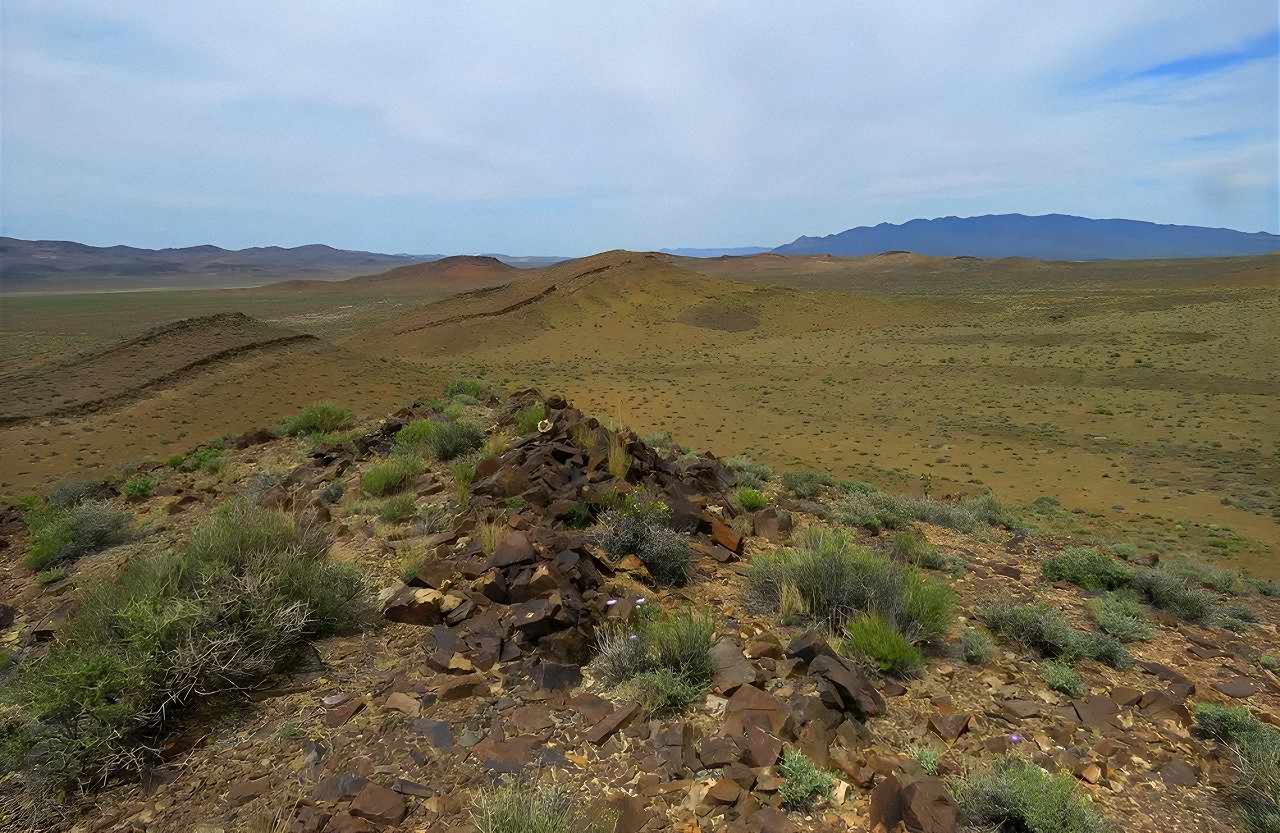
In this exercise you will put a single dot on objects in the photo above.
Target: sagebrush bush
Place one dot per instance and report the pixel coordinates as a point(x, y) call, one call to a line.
point(390, 475)
point(662, 659)
point(1046, 630)
point(398, 509)
point(834, 579)
point(1235, 616)
point(1228, 582)
point(208, 459)
point(71, 493)
point(749, 499)
point(803, 782)
point(1173, 594)
point(1121, 616)
point(67, 534)
point(474, 388)
point(318, 418)
point(665, 552)
point(1086, 567)
point(926, 757)
point(1060, 676)
point(223, 613)
point(139, 487)
point(976, 647)
point(1255, 748)
point(911, 547)
point(523, 807)
point(442, 440)
point(879, 510)
point(1015, 794)
point(749, 473)
point(871, 637)
point(806, 483)
point(527, 419)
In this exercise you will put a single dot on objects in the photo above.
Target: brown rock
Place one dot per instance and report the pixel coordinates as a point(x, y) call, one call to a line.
point(347, 823)
point(750, 706)
point(458, 688)
point(927, 807)
point(759, 748)
point(412, 605)
point(723, 791)
point(405, 703)
point(242, 792)
point(1099, 713)
point(726, 537)
point(379, 804)
point(340, 715)
point(1179, 774)
point(949, 726)
point(772, 523)
point(855, 690)
point(1238, 687)
point(611, 723)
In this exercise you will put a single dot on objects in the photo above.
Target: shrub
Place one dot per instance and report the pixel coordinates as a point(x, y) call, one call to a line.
point(749, 472)
point(803, 783)
point(463, 473)
point(398, 509)
point(527, 419)
point(619, 461)
point(473, 388)
point(207, 459)
point(390, 475)
point(976, 647)
point(1044, 629)
point(139, 487)
point(443, 440)
point(579, 516)
point(664, 551)
point(1060, 676)
point(495, 445)
point(1271, 662)
point(1236, 616)
point(319, 418)
point(71, 493)
point(523, 807)
point(1015, 794)
point(51, 576)
point(67, 534)
point(334, 440)
point(1171, 593)
point(926, 757)
point(870, 636)
point(333, 492)
point(660, 441)
point(663, 660)
point(230, 609)
point(806, 483)
point(878, 510)
point(1087, 568)
point(1121, 616)
point(1229, 582)
point(750, 500)
point(832, 579)
point(911, 547)
point(1255, 748)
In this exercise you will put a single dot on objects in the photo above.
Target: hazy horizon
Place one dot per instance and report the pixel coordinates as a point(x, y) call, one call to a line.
point(557, 130)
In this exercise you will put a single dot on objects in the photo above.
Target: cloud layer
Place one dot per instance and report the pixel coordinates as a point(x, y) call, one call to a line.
point(565, 127)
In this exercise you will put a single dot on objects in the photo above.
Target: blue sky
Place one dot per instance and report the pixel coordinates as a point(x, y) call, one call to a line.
point(567, 127)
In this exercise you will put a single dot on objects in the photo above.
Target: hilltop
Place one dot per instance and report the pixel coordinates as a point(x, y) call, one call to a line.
point(560, 600)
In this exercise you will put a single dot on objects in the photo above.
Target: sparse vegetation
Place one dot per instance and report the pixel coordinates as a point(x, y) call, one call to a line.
point(1255, 752)
point(662, 660)
point(1171, 593)
point(390, 475)
point(1060, 676)
point(527, 419)
point(398, 509)
point(474, 388)
point(66, 534)
point(233, 606)
point(1015, 794)
point(53, 575)
point(911, 547)
point(640, 529)
point(208, 459)
point(319, 418)
point(619, 462)
point(1046, 630)
point(879, 510)
point(806, 483)
point(139, 487)
point(1086, 567)
point(522, 807)
point(443, 440)
point(463, 473)
point(750, 473)
point(749, 499)
point(1122, 616)
point(976, 647)
point(803, 782)
point(871, 637)
point(926, 757)
point(71, 493)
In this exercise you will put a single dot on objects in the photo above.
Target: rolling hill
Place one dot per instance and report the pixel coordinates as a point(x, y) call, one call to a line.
point(1047, 237)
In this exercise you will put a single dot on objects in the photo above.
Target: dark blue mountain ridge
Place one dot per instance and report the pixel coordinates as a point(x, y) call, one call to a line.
point(1044, 236)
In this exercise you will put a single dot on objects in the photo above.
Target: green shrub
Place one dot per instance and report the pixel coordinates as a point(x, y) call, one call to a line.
point(391, 475)
point(442, 440)
point(1121, 616)
point(806, 483)
point(834, 579)
point(976, 647)
point(664, 660)
point(524, 807)
point(463, 473)
point(334, 441)
point(207, 459)
point(474, 388)
point(1046, 630)
point(224, 613)
point(926, 757)
point(749, 473)
point(1015, 794)
point(665, 552)
point(1255, 748)
point(1060, 676)
point(911, 547)
point(660, 441)
point(1236, 616)
point(139, 487)
point(750, 500)
point(71, 493)
point(1171, 593)
point(68, 534)
point(1271, 662)
point(579, 516)
point(1087, 568)
point(51, 576)
point(527, 419)
point(870, 636)
point(878, 510)
point(398, 509)
point(1125, 552)
point(319, 418)
point(1229, 582)
point(333, 492)
point(803, 783)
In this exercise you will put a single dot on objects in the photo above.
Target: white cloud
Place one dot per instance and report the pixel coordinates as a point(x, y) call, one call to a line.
point(569, 127)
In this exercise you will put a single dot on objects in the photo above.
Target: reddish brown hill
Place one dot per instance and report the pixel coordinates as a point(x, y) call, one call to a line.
point(455, 274)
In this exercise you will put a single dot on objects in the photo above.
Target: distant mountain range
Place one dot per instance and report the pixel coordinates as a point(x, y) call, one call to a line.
point(1046, 236)
point(739, 251)
point(27, 265)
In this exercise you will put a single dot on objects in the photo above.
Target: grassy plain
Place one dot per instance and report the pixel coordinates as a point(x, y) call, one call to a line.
point(1144, 398)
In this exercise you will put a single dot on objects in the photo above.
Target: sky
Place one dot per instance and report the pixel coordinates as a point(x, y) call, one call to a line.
point(564, 128)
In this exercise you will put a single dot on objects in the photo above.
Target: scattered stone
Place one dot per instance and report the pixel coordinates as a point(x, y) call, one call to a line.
point(1238, 687)
point(604, 729)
